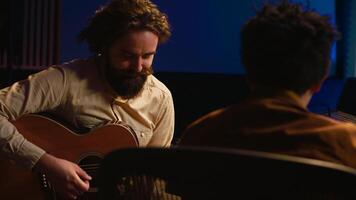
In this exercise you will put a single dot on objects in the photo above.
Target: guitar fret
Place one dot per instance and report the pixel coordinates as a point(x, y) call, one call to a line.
point(342, 116)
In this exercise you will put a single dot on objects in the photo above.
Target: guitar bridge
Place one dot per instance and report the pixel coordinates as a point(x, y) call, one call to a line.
point(46, 186)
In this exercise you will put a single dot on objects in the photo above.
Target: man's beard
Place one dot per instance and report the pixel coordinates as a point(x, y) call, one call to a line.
point(127, 83)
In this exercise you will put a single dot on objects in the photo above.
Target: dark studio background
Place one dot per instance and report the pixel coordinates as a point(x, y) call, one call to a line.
point(200, 64)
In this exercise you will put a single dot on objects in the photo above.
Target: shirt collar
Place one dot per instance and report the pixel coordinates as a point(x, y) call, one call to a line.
point(286, 96)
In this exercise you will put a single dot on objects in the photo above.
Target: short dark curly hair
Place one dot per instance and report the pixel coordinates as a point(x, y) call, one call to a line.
point(120, 16)
point(287, 47)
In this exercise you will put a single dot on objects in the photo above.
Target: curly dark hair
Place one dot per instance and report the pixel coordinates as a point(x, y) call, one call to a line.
point(120, 16)
point(287, 47)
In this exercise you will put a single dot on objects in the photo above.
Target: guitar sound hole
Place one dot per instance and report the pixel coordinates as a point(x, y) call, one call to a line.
point(90, 164)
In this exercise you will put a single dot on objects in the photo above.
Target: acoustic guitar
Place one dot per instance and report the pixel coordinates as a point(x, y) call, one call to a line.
point(86, 150)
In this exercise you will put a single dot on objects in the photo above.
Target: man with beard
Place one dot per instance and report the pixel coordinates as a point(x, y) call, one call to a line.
point(115, 85)
point(286, 53)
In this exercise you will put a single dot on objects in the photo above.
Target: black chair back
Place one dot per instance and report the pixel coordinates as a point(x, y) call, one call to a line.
point(202, 173)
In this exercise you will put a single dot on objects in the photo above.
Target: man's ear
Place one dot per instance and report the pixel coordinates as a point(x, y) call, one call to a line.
point(251, 84)
point(316, 87)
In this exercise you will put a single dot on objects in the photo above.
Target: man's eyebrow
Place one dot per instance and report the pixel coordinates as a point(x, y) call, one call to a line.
point(150, 53)
point(132, 53)
point(127, 52)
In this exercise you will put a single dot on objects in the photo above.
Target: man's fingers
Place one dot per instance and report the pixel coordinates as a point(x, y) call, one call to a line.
point(83, 175)
point(82, 180)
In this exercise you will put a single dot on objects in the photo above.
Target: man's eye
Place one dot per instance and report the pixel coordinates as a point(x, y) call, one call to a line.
point(146, 56)
point(127, 55)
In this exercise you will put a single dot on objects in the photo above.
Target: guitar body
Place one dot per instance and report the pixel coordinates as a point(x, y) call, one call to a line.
point(85, 150)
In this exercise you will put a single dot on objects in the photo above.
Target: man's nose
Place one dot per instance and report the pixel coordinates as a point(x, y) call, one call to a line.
point(138, 64)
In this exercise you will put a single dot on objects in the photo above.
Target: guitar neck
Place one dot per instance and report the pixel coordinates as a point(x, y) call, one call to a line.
point(342, 116)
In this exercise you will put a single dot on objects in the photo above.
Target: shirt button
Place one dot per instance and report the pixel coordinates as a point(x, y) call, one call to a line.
point(142, 134)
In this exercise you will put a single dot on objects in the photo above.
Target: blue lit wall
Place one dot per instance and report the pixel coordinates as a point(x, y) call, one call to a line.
point(205, 32)
point(75, 15)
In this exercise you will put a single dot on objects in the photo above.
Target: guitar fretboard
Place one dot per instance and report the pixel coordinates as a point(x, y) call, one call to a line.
point(342, 116)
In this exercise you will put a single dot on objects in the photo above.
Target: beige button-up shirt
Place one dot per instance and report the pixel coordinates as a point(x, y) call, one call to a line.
point(78, 93)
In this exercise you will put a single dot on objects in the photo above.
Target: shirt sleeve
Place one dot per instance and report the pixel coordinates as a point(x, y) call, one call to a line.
point(163, 133)
point(38, 93)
